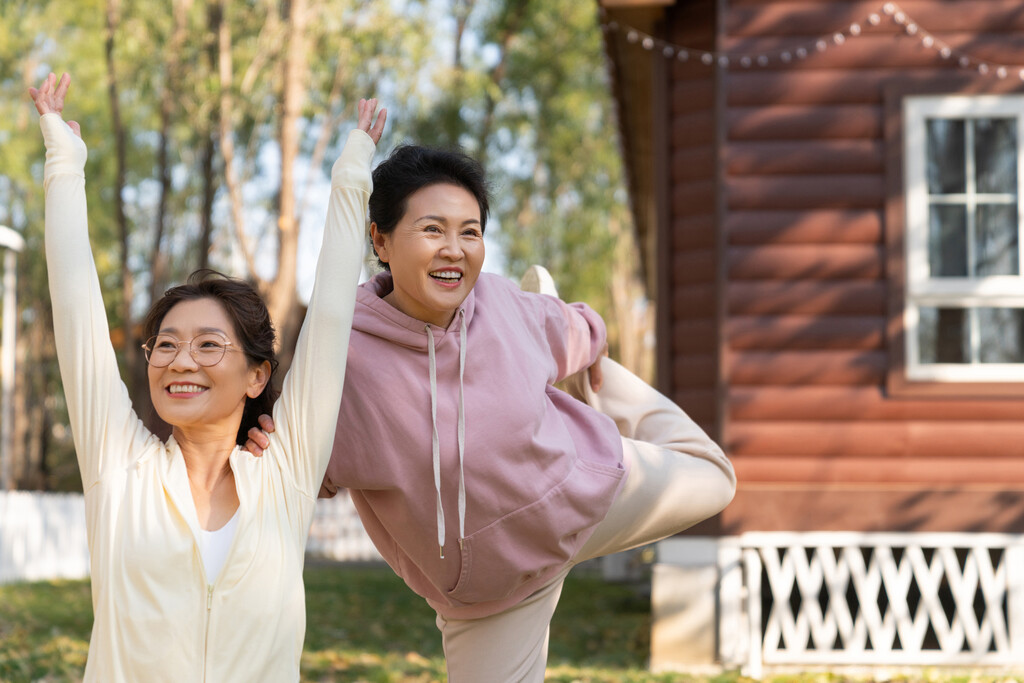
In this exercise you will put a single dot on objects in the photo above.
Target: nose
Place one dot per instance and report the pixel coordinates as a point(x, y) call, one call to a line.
point(452, 248)
point(183, 359)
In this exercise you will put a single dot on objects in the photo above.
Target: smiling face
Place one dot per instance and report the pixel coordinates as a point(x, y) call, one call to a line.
point(189, 396)
point(435, 253)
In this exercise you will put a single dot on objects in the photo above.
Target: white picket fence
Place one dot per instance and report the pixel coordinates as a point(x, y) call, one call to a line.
point(337, 533)
point(43, 535)
point(828, 600)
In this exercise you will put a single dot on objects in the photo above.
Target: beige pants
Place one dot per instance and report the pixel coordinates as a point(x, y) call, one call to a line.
point(677, 477)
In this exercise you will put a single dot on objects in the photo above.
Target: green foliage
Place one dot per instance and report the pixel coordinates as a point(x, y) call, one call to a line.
point(533, 100)
point(524, 87)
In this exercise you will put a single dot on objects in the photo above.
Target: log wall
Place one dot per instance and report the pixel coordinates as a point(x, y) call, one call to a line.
point(691, 234)
point(801, 177)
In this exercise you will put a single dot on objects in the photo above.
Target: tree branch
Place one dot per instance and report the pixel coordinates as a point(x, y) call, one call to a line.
point(227, 145)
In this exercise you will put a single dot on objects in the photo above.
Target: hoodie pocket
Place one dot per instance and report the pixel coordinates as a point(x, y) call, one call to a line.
point(536, 541)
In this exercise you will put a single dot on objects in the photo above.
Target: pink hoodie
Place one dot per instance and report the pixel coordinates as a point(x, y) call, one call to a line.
point(536, 471)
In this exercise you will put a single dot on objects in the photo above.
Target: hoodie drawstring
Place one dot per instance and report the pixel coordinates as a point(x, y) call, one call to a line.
point(462, 427)
point(435, 441)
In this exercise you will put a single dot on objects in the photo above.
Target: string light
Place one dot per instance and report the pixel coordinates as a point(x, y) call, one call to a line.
point(890, 10)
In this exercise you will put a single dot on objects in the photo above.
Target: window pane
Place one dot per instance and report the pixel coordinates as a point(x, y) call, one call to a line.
point(945, 156)
point(996, 233)
point(995, 155)
point(1002, 335)
point(947, 241)
point(943, 335)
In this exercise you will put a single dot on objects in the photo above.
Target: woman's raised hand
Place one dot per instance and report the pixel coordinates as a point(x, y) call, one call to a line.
point(366, 111)
point(49, 98)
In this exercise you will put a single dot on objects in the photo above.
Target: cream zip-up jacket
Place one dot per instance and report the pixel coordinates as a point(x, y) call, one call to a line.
point(157, 617)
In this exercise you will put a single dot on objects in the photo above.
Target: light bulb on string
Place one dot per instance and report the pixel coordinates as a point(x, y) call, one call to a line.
point(838, 38)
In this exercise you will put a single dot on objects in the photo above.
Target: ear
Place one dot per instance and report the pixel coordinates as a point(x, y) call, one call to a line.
point(380, 243)
point(259, 375)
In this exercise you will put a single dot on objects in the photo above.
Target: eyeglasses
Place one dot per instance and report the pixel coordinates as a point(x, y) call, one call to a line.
point(206, 349)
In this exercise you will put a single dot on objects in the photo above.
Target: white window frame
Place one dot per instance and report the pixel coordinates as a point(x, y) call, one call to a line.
point(1001, 291)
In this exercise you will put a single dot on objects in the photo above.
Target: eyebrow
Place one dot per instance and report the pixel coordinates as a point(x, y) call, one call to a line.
point(442, 219)
point(202, 330)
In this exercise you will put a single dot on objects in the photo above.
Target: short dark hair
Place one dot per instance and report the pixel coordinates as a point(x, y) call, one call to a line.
point(410, 168)
point(250, 318)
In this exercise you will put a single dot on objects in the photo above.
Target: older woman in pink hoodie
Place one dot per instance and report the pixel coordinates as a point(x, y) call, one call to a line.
point(480, 483)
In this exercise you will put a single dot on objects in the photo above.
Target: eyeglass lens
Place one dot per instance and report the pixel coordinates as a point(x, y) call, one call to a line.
point(205, 349)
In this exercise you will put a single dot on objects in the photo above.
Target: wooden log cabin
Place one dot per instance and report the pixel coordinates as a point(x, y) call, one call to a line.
point(828, 197)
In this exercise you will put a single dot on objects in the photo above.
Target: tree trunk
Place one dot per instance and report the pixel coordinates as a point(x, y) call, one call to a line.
point(460, 10)
point(330, 122)
point(158, 261)
point(281, 296)
point(227, 144)
point(213, 21)
point(515, 14)
point(131, 355)
point(630, 324)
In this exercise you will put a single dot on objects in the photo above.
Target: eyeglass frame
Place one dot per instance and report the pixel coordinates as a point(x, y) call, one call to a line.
point(147, 351)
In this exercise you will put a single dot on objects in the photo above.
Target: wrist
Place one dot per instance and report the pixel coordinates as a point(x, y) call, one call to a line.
point(65, 151)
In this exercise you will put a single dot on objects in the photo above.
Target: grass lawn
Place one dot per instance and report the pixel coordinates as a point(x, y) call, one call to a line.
point(364, 625)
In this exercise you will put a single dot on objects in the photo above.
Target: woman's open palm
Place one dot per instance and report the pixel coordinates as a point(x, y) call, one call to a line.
point(366, 111)
point(49, 98)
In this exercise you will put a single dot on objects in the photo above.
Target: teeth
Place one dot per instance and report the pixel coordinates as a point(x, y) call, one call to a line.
point(450, 275)
point(185, 388)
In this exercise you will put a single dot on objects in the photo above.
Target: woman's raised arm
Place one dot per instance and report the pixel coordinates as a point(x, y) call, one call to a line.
point(99, 408)
point(307, 412)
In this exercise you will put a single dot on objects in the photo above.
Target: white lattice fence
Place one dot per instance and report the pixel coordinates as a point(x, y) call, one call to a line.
point(834, 599)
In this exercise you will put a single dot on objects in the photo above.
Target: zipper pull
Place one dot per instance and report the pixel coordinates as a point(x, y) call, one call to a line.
point(209, 598)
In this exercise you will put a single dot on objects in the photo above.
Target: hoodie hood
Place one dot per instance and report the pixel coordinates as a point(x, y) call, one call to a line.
point(375, 316)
